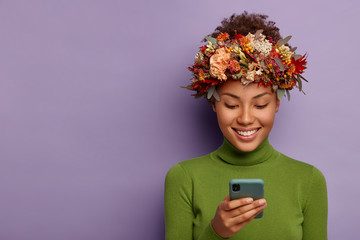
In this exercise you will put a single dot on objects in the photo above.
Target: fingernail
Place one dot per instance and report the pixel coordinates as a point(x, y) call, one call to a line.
point(249, 200)
point(262, 201)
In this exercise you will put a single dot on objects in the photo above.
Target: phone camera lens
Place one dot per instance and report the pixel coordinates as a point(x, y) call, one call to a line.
point(236, 187)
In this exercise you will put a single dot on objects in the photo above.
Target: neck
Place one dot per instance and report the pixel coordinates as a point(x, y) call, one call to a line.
point(230, 154)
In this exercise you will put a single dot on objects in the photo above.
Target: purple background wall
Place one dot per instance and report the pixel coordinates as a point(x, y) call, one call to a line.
point(92, 115)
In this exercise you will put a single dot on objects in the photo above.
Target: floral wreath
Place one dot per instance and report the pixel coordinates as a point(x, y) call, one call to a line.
point(250, 58)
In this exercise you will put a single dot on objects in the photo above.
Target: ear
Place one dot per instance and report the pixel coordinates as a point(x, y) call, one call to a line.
point(213, 104)
point(277, 105)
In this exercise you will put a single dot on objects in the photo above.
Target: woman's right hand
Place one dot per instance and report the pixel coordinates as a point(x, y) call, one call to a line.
point(233, 215)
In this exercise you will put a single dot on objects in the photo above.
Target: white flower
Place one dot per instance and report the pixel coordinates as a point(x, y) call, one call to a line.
point(262, 46)
point(210, 48)
point(251, 37)
point(255, 67)
point(285, 52)
point(250, 77)
point(255, 70)
point(199, 57)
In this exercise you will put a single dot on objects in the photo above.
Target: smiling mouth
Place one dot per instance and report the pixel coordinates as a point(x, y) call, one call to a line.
point(247, 133)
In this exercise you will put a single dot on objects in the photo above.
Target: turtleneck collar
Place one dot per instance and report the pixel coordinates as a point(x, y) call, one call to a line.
point(230, 154)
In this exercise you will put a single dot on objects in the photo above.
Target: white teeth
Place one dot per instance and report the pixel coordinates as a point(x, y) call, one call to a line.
point(247, 133)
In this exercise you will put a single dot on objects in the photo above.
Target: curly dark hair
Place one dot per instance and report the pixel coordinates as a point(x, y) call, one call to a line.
point(245, 23)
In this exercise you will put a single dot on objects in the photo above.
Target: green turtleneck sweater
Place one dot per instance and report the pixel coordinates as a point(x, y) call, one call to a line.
point(295, 193)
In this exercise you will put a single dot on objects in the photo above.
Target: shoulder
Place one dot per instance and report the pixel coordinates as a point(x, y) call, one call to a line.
point(186, 167)
point(181, 177)
point(300, 169)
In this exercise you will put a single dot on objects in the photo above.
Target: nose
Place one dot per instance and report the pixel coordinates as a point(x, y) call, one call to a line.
point(245, 116)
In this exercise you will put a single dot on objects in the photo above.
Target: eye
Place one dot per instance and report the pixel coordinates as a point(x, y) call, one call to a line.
point(261, 106)
point(230, 106)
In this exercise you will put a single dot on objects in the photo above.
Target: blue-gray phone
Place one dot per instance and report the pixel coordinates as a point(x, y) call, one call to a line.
point(241, 188)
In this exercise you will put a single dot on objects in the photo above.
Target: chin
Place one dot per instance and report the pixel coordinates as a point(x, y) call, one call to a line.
point(246, 147)
point(248, 143)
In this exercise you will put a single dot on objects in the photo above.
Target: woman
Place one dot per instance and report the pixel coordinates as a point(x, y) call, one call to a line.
point(244, 71)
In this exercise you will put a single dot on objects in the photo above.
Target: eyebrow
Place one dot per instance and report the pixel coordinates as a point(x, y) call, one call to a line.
point(231, 95)
point(257, 96)
point(260, 95)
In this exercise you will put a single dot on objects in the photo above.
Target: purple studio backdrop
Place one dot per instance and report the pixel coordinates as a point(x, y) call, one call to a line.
point(92, 115)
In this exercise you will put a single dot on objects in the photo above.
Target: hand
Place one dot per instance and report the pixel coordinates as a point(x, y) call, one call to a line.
point(231, 216)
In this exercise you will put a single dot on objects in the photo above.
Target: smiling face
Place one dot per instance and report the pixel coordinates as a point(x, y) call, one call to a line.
point(245, 114)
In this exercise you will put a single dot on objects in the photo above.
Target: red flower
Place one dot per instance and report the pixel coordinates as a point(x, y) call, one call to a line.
point(203, 86)
point(238, 36)
point(265, 84)
point(299, 64)
point(203, 48)
point(274, 54)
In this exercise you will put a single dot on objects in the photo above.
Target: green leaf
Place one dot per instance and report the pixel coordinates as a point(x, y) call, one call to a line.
point(284, 41)
point(275, 88)
point(263, 65)
point(187, 87)
point(303, 78)
point(257, 34)
point(211, 39)
point(299, 83)
point(237, 76)
point(280, 93)
point(288, 94)
point(246, 84)
point(280, 64)
point(297, 56)
point(293, 49)
point(216, 95)
point(210, 92)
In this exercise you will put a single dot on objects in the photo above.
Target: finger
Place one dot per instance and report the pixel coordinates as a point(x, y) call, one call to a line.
point(224, 203)
point(232, 204)
point(237, 227)
point(245, 208)
point(241, 225)
point(249, 215)
point(261, 209)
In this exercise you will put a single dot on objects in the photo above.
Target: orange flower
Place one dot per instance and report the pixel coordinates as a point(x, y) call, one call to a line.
point(219, 62)
point(234, 66)
point(201, 75)
point(244, 40)
point(291, 70)
point(290, 85)
point(223, 37)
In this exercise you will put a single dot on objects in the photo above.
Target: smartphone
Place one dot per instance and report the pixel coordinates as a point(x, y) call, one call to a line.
point(242, 188)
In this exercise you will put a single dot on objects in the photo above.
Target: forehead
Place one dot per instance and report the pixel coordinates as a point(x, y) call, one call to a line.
point(235, 87)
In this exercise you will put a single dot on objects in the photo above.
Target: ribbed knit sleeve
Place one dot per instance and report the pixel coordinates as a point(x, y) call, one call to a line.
point(178, 207)
point(179, 214)
point(209, 234)
point(316, 209)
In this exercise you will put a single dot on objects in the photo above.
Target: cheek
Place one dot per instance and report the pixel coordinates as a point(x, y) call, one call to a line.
point(267, 118)
point(225, 117)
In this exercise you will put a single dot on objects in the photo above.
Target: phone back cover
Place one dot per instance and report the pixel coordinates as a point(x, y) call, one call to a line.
point(253, 188)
